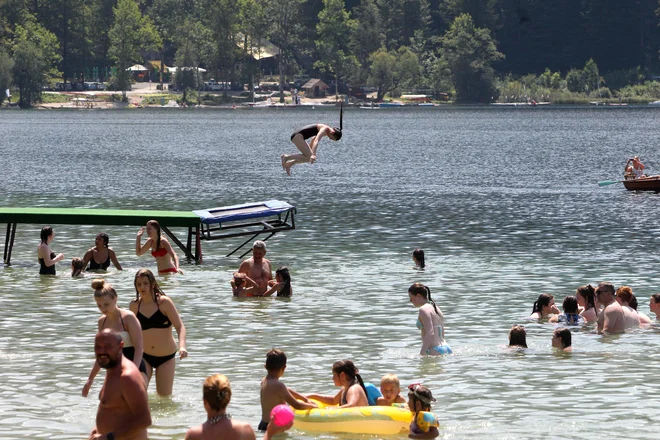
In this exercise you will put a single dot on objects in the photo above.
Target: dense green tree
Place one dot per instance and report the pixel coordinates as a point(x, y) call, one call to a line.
point(223, 22)
point(6, 65)
point(365, 37)
point(382, 65)
point(255, 25)
point(167, 16)
point(35, 60)
point(286, 27)
point(131, 33)
point(469, 52)
point(334, 26)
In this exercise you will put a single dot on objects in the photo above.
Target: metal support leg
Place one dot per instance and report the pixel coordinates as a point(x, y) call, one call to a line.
point(244, 243)
point(177, 241)
point(189, 241)
point(198, 245)
point(9, 244)
point(248, 251)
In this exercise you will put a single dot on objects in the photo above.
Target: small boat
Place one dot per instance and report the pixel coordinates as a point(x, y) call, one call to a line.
point(651, 183)
point(390, 104)
point(654, 104)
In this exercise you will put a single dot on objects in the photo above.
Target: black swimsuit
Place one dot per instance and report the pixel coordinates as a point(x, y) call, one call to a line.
point(128, 352)
point(47, 270)
point(157, 320)
point(307, 131)
point(93, 265)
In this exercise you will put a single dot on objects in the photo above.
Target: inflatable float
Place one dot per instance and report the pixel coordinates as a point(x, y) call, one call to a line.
point(378, 420)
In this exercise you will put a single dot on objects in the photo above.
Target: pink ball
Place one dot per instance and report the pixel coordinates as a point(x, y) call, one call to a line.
point(282, 415)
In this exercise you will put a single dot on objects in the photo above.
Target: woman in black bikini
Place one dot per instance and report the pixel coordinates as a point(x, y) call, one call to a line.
point(99, 256)
point(352, 393)
point(47, 258)
point(123, 322)
point(157, 314)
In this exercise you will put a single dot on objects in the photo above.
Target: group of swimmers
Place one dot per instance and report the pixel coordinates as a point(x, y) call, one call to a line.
point(613, 310)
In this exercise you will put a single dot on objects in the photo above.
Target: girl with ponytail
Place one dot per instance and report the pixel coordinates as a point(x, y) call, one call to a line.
point(352, 393)
point(430, 321)
point(543, 307)
point(586, 297)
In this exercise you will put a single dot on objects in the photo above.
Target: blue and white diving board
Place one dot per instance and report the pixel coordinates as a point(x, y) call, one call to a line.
point(254, 219)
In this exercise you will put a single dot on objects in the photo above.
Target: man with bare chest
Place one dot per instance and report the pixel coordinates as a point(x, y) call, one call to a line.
point(123, 409)
point(258, 268)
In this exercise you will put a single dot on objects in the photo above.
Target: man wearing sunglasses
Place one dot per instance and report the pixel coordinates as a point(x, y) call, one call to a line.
point(612, 320)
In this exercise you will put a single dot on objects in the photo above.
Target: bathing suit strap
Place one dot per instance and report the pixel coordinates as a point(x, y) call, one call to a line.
point(120, 318)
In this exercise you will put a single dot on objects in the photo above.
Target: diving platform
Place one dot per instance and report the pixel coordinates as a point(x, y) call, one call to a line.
point(253, 219)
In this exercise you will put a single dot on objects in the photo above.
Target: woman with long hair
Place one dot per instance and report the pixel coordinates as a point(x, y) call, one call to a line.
point(100, 256)
point(430, 321)
point(47, 258)
point(418, 258)
point(586, 298)
point(281, 284)
point(352, 392)
point(543, 307)
point(167, 260)
point(157, 314)
point(123, 322)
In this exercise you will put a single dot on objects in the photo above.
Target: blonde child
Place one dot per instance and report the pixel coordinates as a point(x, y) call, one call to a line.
point(242, 285)
point(390, 389)
point(274, 392)
point(419, 399)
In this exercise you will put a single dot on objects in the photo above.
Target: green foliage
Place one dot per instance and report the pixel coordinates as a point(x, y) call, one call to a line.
point(331, 43)
point(618, 79)
point(382, 67)
point(131, 33)
point(365, 37)
point(6, 65)
point(469, 53)
point(575, 81)
point(286, 15)
point(35, 58)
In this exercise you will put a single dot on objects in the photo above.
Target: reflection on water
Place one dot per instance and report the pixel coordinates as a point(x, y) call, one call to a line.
point(504, 202)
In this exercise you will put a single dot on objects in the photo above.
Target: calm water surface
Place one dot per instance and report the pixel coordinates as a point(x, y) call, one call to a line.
point(504, 202)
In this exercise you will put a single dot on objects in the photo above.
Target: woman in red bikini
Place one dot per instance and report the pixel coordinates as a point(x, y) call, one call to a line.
point(157, 315)
point(166, 259)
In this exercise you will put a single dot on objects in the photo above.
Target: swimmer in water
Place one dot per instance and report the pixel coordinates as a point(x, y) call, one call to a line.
point(166, 259)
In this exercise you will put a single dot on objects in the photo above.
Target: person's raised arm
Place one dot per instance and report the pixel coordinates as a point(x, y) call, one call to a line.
point(113, 258)
point(139, 249)
point(175, 319)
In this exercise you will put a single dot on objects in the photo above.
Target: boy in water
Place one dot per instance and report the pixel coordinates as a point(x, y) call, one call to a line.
point(390, 389)
point(274, 392)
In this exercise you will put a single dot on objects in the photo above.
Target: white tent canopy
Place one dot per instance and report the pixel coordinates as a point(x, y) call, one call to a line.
point(137, 68)
point(173, 69)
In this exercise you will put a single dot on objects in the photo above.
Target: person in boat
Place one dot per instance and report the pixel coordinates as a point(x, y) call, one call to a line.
point(570, 315)
point(121, 321)
point(635, 168)
point(315, 132)
point(517, 337)
point(586, 298)
point(561, 340)
point(544, 307)
point(47, 258)
point(100, 256)
point(157, 315)
point(167, 260)
point(430, 321)
point(353, 391)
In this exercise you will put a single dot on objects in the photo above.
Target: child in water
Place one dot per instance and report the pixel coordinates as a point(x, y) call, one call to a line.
point(281, 284)
point(274, 392)
point(77, 267)
point(418, 258)
point(390, 388)
point(242, 285)
point(419, 399)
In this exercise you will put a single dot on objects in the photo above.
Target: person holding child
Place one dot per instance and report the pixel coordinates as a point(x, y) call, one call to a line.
point(390, 389)
point(352, 392)
point(258, 268)
point(430, 321)
point(274, 392)
point(419, 399)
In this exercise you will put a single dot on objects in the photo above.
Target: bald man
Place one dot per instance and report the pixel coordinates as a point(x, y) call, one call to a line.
point(124, 409)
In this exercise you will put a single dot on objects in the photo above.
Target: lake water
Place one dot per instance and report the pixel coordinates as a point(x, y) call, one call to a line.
point(504, 202)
